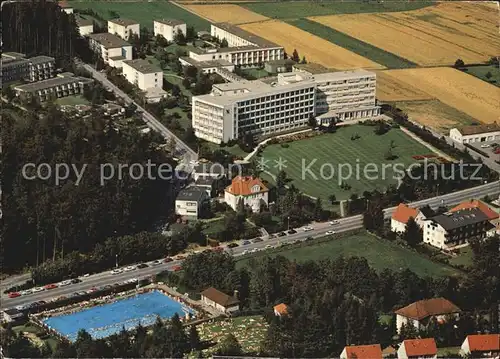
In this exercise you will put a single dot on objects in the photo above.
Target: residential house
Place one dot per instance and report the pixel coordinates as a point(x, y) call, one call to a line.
point(220, 301)
point(85, 26)
point(493, 216)
point(168, 28)
point(68, 9)
point(417, 349)
point(12, 315)
point(190, 202)
point(146, 76)
point(451, 229)
point(214, 170)
point(474, 134)
point(250, 190)
point(401, 216)
point(65, 84)
point(208, 183)
point(113, 49)
point(280, 309)
point(481, 346)
point(420, 313)
point(372, 351)
point(123, 28)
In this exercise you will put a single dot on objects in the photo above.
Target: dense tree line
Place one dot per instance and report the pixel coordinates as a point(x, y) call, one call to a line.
point(45, 220)
point(41, 27)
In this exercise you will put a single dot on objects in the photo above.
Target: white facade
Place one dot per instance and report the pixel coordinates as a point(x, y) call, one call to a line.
point(250, 190)
point(169, 28)
point(123, 28)
point(86, 29)
point(402, 320)
point(142, 74)
point(68, 10)
point(111, 48)
point(220, 308)
point(457, 135)
point(187, 208)
point(253, 200)
point(400, 227)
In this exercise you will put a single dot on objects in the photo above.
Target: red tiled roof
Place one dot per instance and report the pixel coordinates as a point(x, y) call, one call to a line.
point(425, 308)
point(420, 347)
point(364, 351)
point(281, 308)
point(242, 186)
point(403, 213)
point(491, 214)
point(484, 342)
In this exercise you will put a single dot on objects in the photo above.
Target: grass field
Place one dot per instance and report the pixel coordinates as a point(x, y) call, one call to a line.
point(313, 47)
point(436, 115)
point(452, 87)
point(481, 71)
point(32, 332)
point(72, 101)
point(338, 149)
point(379, 253)
point(350, 43)
point(465, 257)
point(292, 9)
point(143, 13)
point(232, 14)
point(432, 36)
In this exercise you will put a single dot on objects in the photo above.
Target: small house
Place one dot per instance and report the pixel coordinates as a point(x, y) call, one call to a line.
point(372, 351)
point(280, 309)
point(190, 201)
point(402, 215)
point(417, 348)
point(220, 301)
point(481, 346)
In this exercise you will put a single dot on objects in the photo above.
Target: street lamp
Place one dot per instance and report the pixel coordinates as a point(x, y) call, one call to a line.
point(288, 218)
point(116, 263)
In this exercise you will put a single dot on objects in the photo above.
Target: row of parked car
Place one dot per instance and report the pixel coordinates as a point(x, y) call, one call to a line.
point(46, 287)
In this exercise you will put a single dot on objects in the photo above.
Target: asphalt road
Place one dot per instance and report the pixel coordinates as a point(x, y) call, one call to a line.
point(187, 153)
point(319, 230)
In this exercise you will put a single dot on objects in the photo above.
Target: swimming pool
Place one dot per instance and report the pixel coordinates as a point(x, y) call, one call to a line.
point(105, 320)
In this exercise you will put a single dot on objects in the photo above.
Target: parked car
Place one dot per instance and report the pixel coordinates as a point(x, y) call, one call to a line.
point(246, 243)
point(269, 246)
point(156, 262)
point(485, 145)
point(116, 271)
point(167, 260)
point(26, 292)
point(65, 283)
point(181, 258)
point(75, 281)
point(129, 268)
point(50, 286)
point(14, 294)
point(308, 228)
point(292, 231)
point(232, 245)
point(332, 223)
point(246, 251)
point(282, 234)
point(257, 240)
point(328, 233)
point(38, 289)
point(142, 265)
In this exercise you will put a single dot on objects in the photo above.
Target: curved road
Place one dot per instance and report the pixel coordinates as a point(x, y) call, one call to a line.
point(344, 224)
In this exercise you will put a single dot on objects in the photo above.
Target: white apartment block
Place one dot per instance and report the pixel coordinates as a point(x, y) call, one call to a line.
point(112, 48)
point(123, 28)
point(85, 26)
point(476, 134)
point(146, 76)
point(233, 109)
point(168, 28)
point(259, 108)
point(65, 84)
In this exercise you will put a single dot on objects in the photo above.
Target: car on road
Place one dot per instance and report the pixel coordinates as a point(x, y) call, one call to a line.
point(156, 262)
point(485, 145)
point(328, 233)
point(332, 223)
point(257, 240)
point(308, 228)
point(65, 283)
point(142, 265)
point(14, 294)
point(168, 260)
point(22, 307)
point(75, 281)
point(82, 293)
point(282, 234)
point(116, 271)
point(233, 245)
point(292, 231)
point(268, 246)
point(246, 243)
point(86, 275)
point(51, 286)
point(129, 268)
point(26, 292)
point(132, 280)
point(38, 289)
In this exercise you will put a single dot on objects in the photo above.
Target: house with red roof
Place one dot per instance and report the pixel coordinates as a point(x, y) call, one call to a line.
point(249, 190)
point(493, 216)
point(372, 351)
point(402, 215)
point(280, 309)
point(481, 346)
point(418, 314)
point(417, 348)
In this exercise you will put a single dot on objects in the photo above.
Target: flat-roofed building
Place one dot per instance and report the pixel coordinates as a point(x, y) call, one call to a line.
point(475, 134)
point(15, 67)
point(168, 28)
point(123, 28)
point(85, 26)
point(113, 49)
point(310, 68)
point(146, 76)
point(65, 84)
point(207, 67)
point(41, 68)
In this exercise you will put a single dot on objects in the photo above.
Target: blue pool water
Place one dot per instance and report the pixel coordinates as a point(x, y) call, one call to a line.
point(108, 319)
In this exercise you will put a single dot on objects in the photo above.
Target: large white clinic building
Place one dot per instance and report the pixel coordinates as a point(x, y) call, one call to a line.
point(168, 28)
point(123, 28)
point(256, 107)
point(146, 76)
point(111, 48)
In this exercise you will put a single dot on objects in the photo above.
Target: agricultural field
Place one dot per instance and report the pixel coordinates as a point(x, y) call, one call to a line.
point(452, 87)
point(482, 71)
point(431, 36)
point(230, 13)
point(350, 43)
point(339, 149)
point(313, 47)
point(298, 9)
point(379, 253)
point(145, 13)
point(435, 115)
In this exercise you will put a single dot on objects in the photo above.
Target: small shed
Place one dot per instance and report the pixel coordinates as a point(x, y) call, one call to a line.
point(220, 301)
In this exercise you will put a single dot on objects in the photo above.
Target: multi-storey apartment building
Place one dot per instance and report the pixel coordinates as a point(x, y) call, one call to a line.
point(113, 49)
point(85, 26)
point(16, 67)
point(123, 28)
point(146, 76)
point(41, 68)
point(168, 28)
point(65, 84)
point(234, 109)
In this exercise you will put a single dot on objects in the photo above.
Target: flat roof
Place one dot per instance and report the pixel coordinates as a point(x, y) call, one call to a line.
point(41, 59)
point(191, 194)
point(235, 30)
point(109, 40)
point(143, 66)
point(341, 75)
point(14, 55)
point(124, 22)
point(170, 22)
point(206, 64)
point(80, 21)
point(46, 84)
point(312, 67)
point(9, 61)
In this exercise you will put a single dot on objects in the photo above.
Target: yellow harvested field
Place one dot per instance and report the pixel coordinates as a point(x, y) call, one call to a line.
point(232, 14)
point(454, 88)
point(430, 36)
point(391, 88)
point(313, 47)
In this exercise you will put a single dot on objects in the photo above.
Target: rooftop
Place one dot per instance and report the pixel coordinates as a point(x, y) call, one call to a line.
point(55, 81)
point(478, 129)
point(484, 342)
point(342, 75)
point(235, 30)
point(245, 186)
point(460, 218)
point(281, 308)
point(206, 64)
point(218, 297)
point(143, 66)
point(80, 21)
point(191, 194)
point(474, 203)
point(124, 22)
point(109, 40)
point(420, 347)
point(205, 181)
point(403, 213)
point(364, 351)
point(41, 59)
point(428, 307)
point(13, 55)
point(312, 67)
point(171, 22)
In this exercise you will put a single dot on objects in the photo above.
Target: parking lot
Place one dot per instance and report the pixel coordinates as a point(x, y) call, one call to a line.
point(492, 148)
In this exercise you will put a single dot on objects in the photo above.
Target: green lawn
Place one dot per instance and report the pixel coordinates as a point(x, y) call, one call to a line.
point(481, 71)
point(72, 101)
point(338, 152)
point(292, 9)
point(357, 46)
point(33, 332)
point(143, 12)
point(234, 150)
point(253, 74)
point(464, 258)
point(379, 253)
